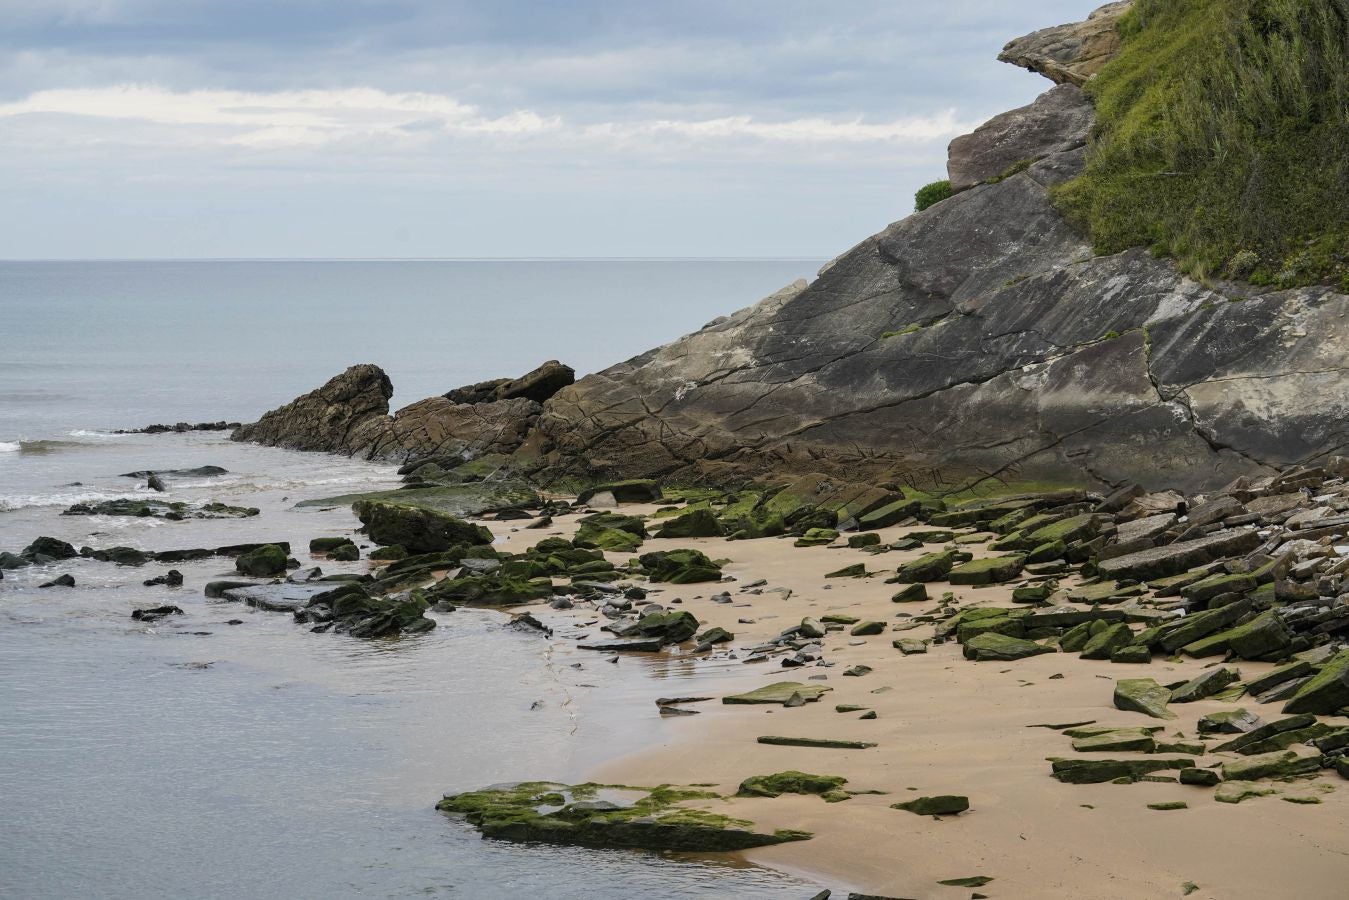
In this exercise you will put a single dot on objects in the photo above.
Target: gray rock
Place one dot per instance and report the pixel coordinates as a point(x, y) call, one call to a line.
point(1059, 119)
point(1069, 54)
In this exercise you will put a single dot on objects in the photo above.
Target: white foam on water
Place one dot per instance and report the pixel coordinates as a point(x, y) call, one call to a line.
point(9, 447)
point(68, 498)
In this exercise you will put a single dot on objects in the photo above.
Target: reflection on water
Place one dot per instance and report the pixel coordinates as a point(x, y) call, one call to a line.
point(194, 758)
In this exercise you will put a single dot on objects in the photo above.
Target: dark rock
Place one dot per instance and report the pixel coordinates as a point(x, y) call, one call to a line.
point(634, 490)
point(60, 581)
point(155, 613)
point(155, 483)
point(197, 472)
point(324, 418)
point(122, 556)
point(941, 805)
point(416, 529)
point(51, 548)
point(1327, 692)
point(695, 523)
point(264, 562)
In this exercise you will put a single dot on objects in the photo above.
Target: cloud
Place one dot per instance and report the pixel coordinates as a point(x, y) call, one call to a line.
point(309, 118)
point(281, 118)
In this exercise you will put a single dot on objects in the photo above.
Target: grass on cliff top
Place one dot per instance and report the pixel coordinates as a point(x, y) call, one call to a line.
point(1222, 140)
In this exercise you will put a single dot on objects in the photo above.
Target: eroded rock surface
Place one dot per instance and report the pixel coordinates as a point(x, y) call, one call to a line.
point(1069, 54)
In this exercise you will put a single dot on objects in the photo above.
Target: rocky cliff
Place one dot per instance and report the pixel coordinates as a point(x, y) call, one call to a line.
point(978, 339)
point(982, 338)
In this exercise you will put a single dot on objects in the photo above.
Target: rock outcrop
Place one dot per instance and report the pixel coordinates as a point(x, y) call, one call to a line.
point(1070, 54)
point(350, 414)
point(980, 339)
point(324, 419)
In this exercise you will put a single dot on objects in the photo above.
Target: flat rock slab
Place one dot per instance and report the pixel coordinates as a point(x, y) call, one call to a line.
point(779, 692)
point(825, 743)
point(1173, 559)
point(646, 645)
point(277, 597)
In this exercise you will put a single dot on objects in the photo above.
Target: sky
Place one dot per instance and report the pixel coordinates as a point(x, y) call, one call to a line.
point(486, 128)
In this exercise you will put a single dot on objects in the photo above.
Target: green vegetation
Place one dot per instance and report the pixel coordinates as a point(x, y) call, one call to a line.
point(907, 329)
point(1222, 140)
point(1015, 168)
point(929, 194)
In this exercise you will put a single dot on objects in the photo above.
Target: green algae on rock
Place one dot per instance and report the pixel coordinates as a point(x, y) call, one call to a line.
point(789, 782)
point(1143, 695)
point(638, 818)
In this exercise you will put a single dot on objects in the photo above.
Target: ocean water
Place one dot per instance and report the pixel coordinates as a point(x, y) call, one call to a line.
point(196, 758)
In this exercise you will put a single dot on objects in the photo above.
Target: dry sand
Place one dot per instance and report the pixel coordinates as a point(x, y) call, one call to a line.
point(949, 726)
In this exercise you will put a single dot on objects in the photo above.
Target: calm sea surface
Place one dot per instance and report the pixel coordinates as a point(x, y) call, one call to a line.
point(193, 758)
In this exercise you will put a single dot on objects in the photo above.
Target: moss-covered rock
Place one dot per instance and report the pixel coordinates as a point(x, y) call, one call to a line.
point(913, 593)
point(693, 524)
point(680, 566)
point(1327, 691)
point(866, 629)
point(990, 570)
point(857, 570)
point(1100, 771)
point(991, 646)
point(1111, 638)
point(790, 782)
point(1206, 684)
point(816, 537)
point(347, 552)
point(654, 820)
point(1143, 695)
point(929, 567)
point(416, 529)
point(264, 562)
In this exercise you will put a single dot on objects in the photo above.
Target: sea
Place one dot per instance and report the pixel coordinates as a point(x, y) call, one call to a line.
point(228, 752)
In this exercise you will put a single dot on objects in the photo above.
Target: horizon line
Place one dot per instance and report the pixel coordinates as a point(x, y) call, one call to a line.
point(100, 259)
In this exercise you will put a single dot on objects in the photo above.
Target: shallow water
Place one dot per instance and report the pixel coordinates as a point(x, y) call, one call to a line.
point(192, 758)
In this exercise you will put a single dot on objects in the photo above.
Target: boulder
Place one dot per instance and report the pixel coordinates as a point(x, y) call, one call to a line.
point(416, 529)
point(692, 524)
point(1143, 695)
point(49, 547)
point(1327, 692)
point(264, 562)
point(1059, 120)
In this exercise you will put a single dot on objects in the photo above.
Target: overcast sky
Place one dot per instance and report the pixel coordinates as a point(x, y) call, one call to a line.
point(486, 128)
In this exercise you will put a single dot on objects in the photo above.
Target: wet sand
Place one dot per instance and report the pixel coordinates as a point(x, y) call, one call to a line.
point(949, 726)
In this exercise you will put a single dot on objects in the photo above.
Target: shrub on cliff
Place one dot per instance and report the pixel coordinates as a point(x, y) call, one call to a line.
point(1223, 135)
point(929, 194)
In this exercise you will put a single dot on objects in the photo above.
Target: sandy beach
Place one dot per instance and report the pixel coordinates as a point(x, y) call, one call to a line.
point(945, 725)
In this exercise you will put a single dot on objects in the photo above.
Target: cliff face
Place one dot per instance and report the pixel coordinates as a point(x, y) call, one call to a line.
point(982, 338)
point(978, 339)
